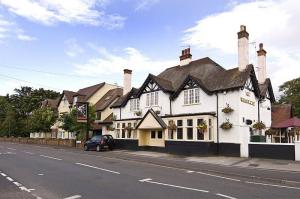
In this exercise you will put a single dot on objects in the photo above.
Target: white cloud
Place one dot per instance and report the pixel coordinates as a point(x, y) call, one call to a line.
point(73, 49)
point(49, 12)
point(109, 63)
point(145, 4)
point(5, 28)
point(273, 22)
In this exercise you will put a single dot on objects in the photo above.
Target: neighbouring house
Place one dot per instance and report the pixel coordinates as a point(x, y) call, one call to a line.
point(47, 103)
point(93, 95)
point(285, 127)
point(196, 107)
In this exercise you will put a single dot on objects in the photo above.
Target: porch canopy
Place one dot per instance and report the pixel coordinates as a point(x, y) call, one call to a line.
point(292, 122)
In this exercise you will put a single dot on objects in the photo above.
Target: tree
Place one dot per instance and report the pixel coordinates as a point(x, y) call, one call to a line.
point(291, 95)
point(42, 119)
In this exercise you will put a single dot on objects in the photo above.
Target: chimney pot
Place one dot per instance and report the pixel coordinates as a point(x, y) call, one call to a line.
point(127, 81)
point(261, 46)
point(186, 57)
point(243, 48)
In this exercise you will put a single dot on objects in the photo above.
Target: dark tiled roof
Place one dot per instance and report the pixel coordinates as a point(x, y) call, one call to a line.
point(123, 99)
point(69, 95)
point(89, 91)
point(50, 103)
point(108, 98)
point(280, 113)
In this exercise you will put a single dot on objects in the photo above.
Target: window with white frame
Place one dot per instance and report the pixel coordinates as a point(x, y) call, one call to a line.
point(152, 99)
point(191, 96)
point(134, 104)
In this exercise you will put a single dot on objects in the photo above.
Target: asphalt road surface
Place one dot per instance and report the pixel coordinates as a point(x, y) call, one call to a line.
point(31, 171)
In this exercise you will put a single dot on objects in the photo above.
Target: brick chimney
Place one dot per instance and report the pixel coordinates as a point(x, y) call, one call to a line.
point(127, 81)
point(261, 64)
point(186, 57)
point(243, 48)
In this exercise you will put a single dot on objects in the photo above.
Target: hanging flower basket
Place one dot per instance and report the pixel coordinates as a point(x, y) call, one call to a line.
point(138, 113)
point(270, 132)
point(202, 126)
point(110, 128)
point(259, 126)
point(114, 117)
point(226, 125)
point(227, 109)
point(172, 125)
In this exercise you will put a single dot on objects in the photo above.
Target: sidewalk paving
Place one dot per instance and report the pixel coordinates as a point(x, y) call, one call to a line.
point(286, 165)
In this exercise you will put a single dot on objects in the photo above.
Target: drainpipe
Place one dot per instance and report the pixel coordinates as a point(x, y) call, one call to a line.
point(120, 113)
point(218, 141)
point(258, 114)
point(170, 106)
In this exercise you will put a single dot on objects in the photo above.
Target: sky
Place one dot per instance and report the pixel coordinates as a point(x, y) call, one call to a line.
point(71, 44)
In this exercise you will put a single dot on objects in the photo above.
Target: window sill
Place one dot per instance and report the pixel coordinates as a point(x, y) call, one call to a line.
point(192, 104)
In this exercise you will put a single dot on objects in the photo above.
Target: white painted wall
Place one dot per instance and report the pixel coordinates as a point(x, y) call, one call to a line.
point(207, 104)
point(265, 114)
point(63, 106)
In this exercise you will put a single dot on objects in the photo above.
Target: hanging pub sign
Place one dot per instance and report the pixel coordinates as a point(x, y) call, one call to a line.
point(82, 112)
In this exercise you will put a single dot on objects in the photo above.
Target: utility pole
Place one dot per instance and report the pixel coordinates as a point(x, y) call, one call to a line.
point(87, 121)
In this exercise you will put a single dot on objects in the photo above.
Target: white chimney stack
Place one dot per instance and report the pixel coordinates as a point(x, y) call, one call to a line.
point(243, 48)
point(261, 64)
point(127, 81)
point(186, 57)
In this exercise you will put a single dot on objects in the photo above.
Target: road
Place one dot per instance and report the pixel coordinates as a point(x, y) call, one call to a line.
point(50, 173)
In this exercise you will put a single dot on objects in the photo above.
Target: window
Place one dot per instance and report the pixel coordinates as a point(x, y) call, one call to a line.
point(123, 133)
point(159, 135)
point(98, 115)
point(152, 99)
point(190, 129)
point(179, 130)
point(153, 133)
point(191, 96)
point(118, 133)
point(171, 134)
point(200, 133)
point(134, 104)
point(210, 129)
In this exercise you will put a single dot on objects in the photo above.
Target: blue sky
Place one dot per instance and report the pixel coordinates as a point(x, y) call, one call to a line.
point(85, 42)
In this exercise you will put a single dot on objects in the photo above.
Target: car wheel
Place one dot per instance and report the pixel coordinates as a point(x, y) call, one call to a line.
point(98, 148)
point(86, 148)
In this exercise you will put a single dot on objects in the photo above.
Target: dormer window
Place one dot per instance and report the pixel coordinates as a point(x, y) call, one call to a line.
point(152, 99)
point(134, 104)
point(191, 96)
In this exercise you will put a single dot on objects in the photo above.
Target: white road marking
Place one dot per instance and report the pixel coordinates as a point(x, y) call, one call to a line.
point(10, 179)
point(31, 189)
point(28, 152)
point(189, 171)
point(149, 180)
point(18, 184)
point(45, 156)
point(212, 175)
point(24, 189)
point(225, 196)
point(90, 166)
point(273, 185)
point(40, 174)
point(3, 174)
point(73, 197)
point(12, 149)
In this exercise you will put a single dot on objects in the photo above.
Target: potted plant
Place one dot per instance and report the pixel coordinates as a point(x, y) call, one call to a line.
point(226, 125)
point(172, 125)
point(227, 109)
point(157, 112)
point(259, 125)
point(110, 128)
point(114, 117)
point(202, 126)
point(138, 113)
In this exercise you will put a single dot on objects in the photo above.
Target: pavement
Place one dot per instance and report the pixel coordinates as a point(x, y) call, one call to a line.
point(52, 172)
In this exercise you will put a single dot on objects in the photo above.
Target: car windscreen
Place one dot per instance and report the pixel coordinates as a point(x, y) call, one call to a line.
point(95, 138)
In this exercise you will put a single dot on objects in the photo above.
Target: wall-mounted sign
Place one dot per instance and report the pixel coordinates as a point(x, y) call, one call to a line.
point(247, 101)
point(82, 112)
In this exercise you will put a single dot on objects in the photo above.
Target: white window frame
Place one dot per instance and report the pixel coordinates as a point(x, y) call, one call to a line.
point(152, 99)
point(134, 104)
point(191, 96)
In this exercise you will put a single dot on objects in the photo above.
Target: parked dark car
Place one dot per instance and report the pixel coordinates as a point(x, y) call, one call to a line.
point(100, 142)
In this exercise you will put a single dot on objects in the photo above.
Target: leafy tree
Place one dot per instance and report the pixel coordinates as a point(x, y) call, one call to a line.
point(291, 94)
point(42, 119)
